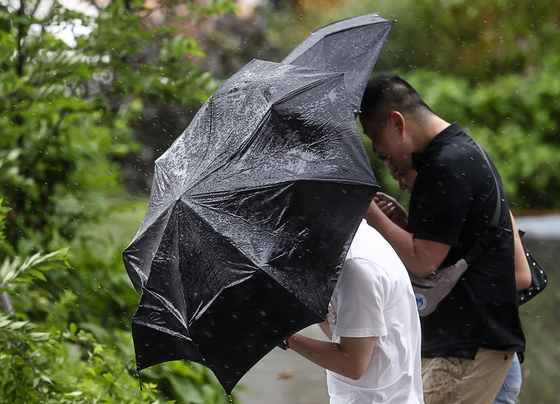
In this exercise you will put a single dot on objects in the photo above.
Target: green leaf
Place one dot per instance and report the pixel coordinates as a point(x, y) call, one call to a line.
point(16, 325)
point(47, 379)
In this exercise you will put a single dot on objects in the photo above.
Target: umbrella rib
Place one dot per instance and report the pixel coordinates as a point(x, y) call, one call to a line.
point(175, 314)
point(365, 24)
point(249, 140)
point(156, 242)
point(328, 77)
point(168, 331)
point(290, 292)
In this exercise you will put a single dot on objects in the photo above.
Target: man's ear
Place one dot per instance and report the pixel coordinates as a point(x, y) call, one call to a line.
point(397, 121)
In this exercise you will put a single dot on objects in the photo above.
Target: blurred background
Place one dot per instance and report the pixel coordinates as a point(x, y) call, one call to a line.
point(91, 93)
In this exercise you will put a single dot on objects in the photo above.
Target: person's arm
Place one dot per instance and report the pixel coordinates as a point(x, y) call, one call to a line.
point(350, 358)
point(421, 257)
point(392, 209)
point(326, 329)
point(522, 270)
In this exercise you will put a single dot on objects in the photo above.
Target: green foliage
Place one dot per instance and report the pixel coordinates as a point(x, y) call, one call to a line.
point(5, 248)
point(286, 29)
point(54, 361)
point(45, 145)
point(42, 365)
point(67, 111)
point(212, 8)
point(189, 383)
point(475, 39)
point(25, 271)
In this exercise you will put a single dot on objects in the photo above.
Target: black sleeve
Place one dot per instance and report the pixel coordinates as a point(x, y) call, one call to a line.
point(439, 205)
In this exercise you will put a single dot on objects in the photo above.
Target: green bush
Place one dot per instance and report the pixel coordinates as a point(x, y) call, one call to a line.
point(54, 361)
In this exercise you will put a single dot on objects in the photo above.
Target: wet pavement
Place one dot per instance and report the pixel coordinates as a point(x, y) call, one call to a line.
point(543, 227)
point(284, 377)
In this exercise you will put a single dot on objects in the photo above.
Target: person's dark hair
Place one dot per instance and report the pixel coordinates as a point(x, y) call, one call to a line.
point(387, 92)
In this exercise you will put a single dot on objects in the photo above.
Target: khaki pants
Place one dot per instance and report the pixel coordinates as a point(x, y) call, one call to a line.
point(465, 381)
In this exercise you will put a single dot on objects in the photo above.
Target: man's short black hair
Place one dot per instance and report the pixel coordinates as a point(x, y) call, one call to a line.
point(387, 92)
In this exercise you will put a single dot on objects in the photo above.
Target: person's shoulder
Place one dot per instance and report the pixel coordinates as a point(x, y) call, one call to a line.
point(452, 161)
point(463, 161)
point(365, 240)
point(369, 245)
point(460, 148)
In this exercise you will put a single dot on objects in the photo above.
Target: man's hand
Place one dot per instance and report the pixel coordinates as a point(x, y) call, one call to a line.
point(421, 257)
point(374, 213)
point(392, 209)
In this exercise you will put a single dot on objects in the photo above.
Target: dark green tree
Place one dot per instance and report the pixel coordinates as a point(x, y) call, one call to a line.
point(67, 110)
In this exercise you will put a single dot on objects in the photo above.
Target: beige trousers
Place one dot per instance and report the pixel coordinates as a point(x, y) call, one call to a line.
point(465, 381)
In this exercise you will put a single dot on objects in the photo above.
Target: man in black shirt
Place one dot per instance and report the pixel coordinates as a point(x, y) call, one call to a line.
point(468, 342)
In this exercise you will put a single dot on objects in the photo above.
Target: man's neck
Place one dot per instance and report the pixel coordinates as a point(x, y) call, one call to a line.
point(426, 130)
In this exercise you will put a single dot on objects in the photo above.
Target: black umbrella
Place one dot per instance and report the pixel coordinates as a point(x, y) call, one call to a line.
point(349, 46)
point(251, 214)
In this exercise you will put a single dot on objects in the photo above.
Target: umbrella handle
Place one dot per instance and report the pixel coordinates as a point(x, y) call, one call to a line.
point(283, 345)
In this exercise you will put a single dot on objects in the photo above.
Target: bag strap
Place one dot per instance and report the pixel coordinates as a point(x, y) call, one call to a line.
point(488, 236)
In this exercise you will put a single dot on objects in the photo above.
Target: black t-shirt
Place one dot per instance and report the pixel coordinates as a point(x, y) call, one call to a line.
point(452, 202)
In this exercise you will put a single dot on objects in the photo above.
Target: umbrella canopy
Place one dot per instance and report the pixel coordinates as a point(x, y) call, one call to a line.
point(250, 217)
point(251, 214)
point(349, 46)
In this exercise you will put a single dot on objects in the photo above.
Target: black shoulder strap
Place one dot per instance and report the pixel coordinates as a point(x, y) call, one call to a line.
point(486, 238)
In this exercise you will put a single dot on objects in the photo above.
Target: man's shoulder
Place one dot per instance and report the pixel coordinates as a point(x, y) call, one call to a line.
point(459, 160)
point(457, 149)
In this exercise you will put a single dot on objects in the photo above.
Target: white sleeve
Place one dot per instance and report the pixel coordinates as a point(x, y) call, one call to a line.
point(361, 294)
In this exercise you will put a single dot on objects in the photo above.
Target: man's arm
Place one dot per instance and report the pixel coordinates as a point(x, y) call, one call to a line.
point(350, 358)
point(421, 257)
point(522, 270)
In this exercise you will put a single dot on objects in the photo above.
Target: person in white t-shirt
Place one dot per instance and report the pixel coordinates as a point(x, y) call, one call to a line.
point(373, 323)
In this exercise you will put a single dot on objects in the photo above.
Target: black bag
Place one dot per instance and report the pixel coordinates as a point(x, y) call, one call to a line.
point(538, 277)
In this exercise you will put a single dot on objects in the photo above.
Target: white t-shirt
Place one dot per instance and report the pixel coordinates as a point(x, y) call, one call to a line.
point(374, 298)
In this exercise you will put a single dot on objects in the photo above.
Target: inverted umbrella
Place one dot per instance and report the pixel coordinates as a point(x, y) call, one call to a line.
point(250, 217)
point(350, 46)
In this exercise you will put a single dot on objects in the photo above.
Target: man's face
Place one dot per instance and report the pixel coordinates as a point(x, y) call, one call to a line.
point(388, 143)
